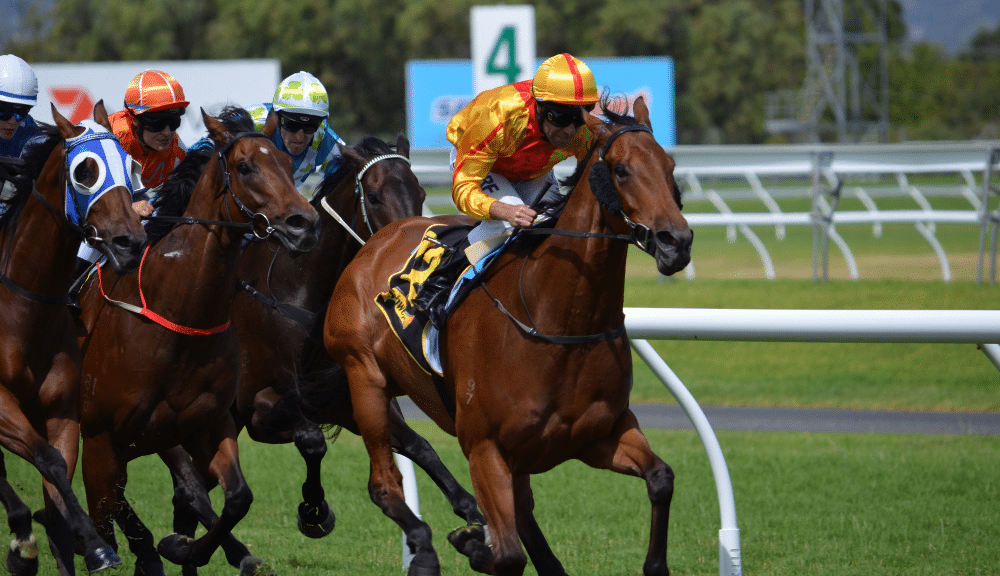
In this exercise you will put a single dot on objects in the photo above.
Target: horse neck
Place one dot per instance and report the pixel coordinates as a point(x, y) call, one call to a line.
point(41, 236)
point(192, 270)
point(582, 279)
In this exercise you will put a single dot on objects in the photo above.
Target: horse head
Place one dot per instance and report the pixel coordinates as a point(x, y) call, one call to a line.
point(97, 178)
point(258, 179)
point(633, 180)
point(385, 188)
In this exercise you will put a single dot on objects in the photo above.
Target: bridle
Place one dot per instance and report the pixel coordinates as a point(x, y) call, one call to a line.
point(641, 236)
point(227, 187)
point(359, 198)
point(301, 315)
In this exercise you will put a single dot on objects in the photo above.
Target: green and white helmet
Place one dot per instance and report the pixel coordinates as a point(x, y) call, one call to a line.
point(302, 93)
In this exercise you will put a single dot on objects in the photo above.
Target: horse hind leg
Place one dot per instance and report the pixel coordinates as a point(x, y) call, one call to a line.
point(627, 451)
point(22, 558)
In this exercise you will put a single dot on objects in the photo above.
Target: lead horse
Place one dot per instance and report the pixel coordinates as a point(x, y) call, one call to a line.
point(536, 361)
point(74, 186)
point(164, 375)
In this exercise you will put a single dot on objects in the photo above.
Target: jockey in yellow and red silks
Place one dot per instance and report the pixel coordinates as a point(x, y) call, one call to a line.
point(507, 141)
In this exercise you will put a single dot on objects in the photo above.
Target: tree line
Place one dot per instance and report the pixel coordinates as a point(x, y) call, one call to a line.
point(728, 54)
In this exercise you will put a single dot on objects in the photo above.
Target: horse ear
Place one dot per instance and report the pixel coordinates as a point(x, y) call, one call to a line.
point(216, 130)
point(597, 126)
point(101, 115)
point(403, 145)
point(66, 127)
point(351, 154)
point(641, 112)
point(270, 125)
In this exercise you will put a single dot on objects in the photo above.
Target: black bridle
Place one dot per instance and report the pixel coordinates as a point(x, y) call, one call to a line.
point(227, 187)
point(643, 242)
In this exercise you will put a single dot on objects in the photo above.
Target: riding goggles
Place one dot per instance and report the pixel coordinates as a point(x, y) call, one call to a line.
point(304, 122)
point(16, 112)
point(561, 118)
point(157, 121)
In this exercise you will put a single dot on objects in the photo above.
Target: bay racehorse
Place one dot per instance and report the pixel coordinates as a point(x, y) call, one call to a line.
point(536, 363)
point(278, 321)
point(75, 184)
point(160, 361)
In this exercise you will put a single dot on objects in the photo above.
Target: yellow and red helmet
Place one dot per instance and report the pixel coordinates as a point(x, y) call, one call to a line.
point(564, 79)
point(154, 91)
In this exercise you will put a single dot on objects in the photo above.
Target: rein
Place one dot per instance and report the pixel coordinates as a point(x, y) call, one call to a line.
point(145, 311)
point(632, 238)
point(267, 229)
point(301, 315)
point(226, 187)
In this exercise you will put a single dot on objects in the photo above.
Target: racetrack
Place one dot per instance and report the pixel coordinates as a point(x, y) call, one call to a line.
point(672, 417)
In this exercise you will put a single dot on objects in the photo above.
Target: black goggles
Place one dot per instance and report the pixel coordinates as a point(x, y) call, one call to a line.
point(157, 121)
point(16, 112)
point(308, 124)
point(562, 118)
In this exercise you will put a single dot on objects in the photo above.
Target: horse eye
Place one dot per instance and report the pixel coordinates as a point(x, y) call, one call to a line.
point(621, 172)
point(243, 168)
point(82, 173)
point(373, 198)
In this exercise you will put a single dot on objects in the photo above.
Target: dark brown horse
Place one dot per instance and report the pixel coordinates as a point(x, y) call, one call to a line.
point(278, 319)
point(164, 375)
point(74, 185)
point(536, 363)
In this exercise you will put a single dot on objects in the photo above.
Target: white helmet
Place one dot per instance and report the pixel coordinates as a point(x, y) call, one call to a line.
point(302, 93)
point(18, 84)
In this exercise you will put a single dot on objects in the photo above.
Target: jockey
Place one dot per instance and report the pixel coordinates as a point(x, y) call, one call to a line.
point(508, 139)
point(304, 133)
point(18, 93)
point(147, 128)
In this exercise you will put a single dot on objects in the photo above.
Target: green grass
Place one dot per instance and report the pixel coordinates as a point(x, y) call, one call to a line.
point(806, 503)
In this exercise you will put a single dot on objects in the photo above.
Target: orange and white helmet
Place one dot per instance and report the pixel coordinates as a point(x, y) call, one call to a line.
point(154, 91)
point(564, 79)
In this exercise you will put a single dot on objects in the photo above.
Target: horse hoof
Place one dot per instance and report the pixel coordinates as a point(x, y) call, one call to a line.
point(425, 564)
point(316, 521)
point(22, 560)
point(175, 548)
point(101, 559)
point(254, 566)
point(470, 541)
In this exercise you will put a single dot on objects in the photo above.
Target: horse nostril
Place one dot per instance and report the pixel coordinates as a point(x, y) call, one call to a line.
point(678, 239)
point(297, 222)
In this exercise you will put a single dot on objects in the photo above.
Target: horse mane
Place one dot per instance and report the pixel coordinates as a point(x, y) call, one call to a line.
point(36, 153)
point(174, 195)
point(368, 146)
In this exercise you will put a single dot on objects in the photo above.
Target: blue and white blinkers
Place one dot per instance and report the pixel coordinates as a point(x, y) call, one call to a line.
point(115, 167)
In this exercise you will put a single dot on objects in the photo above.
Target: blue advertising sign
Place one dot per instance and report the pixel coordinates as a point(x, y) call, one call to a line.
point(437, 89)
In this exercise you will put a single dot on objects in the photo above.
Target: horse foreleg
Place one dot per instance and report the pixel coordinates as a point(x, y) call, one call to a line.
point(491, 477)
point(627, 451)
point(22, 558)
point(139, 538)
point(315, 518)
point(223, 465)
point(469, 539)
point(542, 557)
point(192, 505)
point(385, 483)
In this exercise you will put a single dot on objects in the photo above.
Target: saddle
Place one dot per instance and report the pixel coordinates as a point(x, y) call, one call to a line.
point(418, 297)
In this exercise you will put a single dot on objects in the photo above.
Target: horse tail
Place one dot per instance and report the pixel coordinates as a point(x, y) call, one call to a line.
point(321, 397)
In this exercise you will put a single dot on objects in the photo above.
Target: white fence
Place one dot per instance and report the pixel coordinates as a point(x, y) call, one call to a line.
point(825, 174)
point(980, 327)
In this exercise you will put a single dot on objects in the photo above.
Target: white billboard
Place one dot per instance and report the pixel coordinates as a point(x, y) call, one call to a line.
point(74, 87)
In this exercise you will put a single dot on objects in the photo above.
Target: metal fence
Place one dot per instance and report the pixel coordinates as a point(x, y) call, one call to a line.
point(824, 174)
